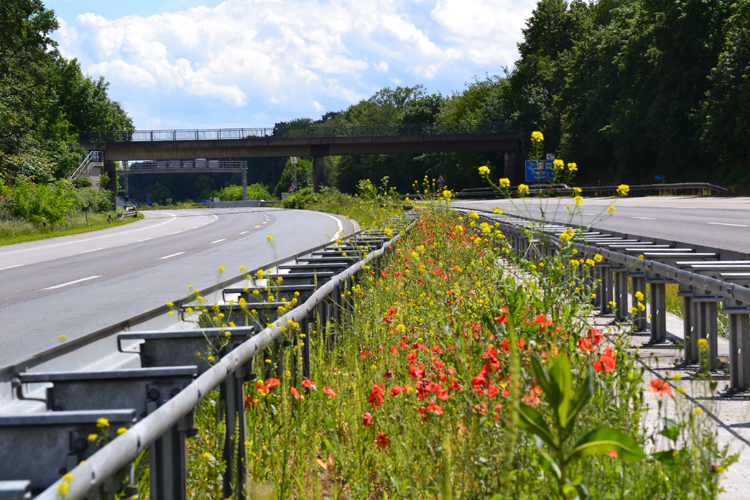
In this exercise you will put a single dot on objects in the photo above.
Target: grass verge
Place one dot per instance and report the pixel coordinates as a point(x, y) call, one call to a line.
point(13, 231)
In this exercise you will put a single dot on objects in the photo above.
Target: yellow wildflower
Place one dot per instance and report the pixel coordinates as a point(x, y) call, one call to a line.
point(623, 190)
point(537, 137)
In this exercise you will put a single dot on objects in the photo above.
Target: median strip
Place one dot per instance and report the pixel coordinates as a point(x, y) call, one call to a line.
point(72, 282)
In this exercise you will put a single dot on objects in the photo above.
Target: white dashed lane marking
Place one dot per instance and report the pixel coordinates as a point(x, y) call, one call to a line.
point(72, 282)
point(218, 241)
point(173, 255)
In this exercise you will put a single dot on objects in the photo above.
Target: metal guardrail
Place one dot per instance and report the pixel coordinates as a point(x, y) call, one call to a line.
point(284, 133)
point(168, 410)
point(93, 156)
point(705, 276)
point(186, 164)
point(699, 188)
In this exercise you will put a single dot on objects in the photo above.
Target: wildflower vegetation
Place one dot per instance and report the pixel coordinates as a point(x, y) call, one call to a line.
point(463, 372)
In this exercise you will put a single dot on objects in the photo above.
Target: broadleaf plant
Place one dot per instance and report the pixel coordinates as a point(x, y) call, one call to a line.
point(557, 386)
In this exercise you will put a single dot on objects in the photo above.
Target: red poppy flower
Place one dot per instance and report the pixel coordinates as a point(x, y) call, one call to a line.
point(394, 350)
point(417, 373)
point(585, 345)
point(261, 388)
point(391, 311)
point(542, 320)
point(455, 386)
point(367, 420)
point(501, 319)
point(383, 274)
point(376, 395)
point(397, 274)
point(594, 336)
point(329, 392)
point(388, 375)
point(411, 357)
point(308, 384)
point(660, 387)
point(382, 440)
point(396, 390)
point(272, 382)
point(296, 393)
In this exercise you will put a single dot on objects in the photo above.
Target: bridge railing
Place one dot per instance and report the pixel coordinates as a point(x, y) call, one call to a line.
point(281, 133)
point(186, 164)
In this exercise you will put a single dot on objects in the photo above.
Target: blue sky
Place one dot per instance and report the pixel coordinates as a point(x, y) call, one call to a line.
point(251, 63)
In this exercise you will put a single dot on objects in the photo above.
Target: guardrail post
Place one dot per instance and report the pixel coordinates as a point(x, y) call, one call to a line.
point(690, 355)
point(605, 287)
point(658, 310)
point(621, 294)
point(739, 347)
point(232, 395)
point(704, 326)
point(596, 273)
point(168, 463)
point(638, 284)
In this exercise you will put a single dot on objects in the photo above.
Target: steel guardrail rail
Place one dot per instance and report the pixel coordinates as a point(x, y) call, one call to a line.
point(122, 450)
point(564, 190)
point(719, 287)
point(282, 133)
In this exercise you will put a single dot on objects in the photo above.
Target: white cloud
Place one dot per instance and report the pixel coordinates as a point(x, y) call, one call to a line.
point(291, 52)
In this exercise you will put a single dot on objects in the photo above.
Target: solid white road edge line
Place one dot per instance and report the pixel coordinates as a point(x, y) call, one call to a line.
point(72, 282)
point(10, 267)
point(89, 251)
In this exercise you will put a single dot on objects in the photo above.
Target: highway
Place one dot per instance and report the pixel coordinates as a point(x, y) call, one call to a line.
point(714, 222)
point(75, 285)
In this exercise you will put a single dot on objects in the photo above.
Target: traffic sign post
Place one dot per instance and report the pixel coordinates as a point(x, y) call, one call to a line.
point(440, 182)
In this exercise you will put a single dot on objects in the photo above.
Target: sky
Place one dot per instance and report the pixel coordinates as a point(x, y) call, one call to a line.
point(251, 63)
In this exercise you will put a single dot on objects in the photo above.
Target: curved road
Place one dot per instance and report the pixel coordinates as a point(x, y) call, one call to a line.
point(75, 285)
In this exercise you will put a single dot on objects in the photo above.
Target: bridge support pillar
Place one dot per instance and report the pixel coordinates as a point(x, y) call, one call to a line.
point(111, 170)
point(319, 172)
point(514, 167)
point(244, 184)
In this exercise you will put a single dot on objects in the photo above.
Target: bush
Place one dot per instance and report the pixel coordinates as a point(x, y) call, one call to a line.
point(301, 199)
point(52, 202)
point(233, 192)
point(82, 182)
point(96, 200)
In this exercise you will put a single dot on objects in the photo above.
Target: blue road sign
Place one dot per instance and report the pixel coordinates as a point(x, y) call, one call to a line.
point(542, 171)
point(659, 177)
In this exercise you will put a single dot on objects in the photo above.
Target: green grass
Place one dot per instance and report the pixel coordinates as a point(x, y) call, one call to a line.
point(16, 231)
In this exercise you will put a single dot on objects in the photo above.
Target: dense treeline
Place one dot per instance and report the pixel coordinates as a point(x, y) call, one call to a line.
point(628, 89)
point(44, 98)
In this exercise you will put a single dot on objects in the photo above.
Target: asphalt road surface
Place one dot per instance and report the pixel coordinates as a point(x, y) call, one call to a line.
point(76, 285)
point(722, 223)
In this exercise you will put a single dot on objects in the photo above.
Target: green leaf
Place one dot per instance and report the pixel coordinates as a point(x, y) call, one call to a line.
point(581, 399)
point(603, 440)
point(545, 461)
point(562, 387)
point(671, 429)
point(533, 421)
point(541, 375)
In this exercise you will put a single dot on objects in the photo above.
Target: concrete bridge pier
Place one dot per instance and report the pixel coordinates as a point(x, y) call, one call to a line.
point(514, 167)
point(319, 172)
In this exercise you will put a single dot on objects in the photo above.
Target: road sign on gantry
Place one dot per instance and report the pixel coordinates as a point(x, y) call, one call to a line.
point(539, 171)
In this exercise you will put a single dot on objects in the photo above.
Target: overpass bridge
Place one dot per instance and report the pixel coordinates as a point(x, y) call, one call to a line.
point(317, 142)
